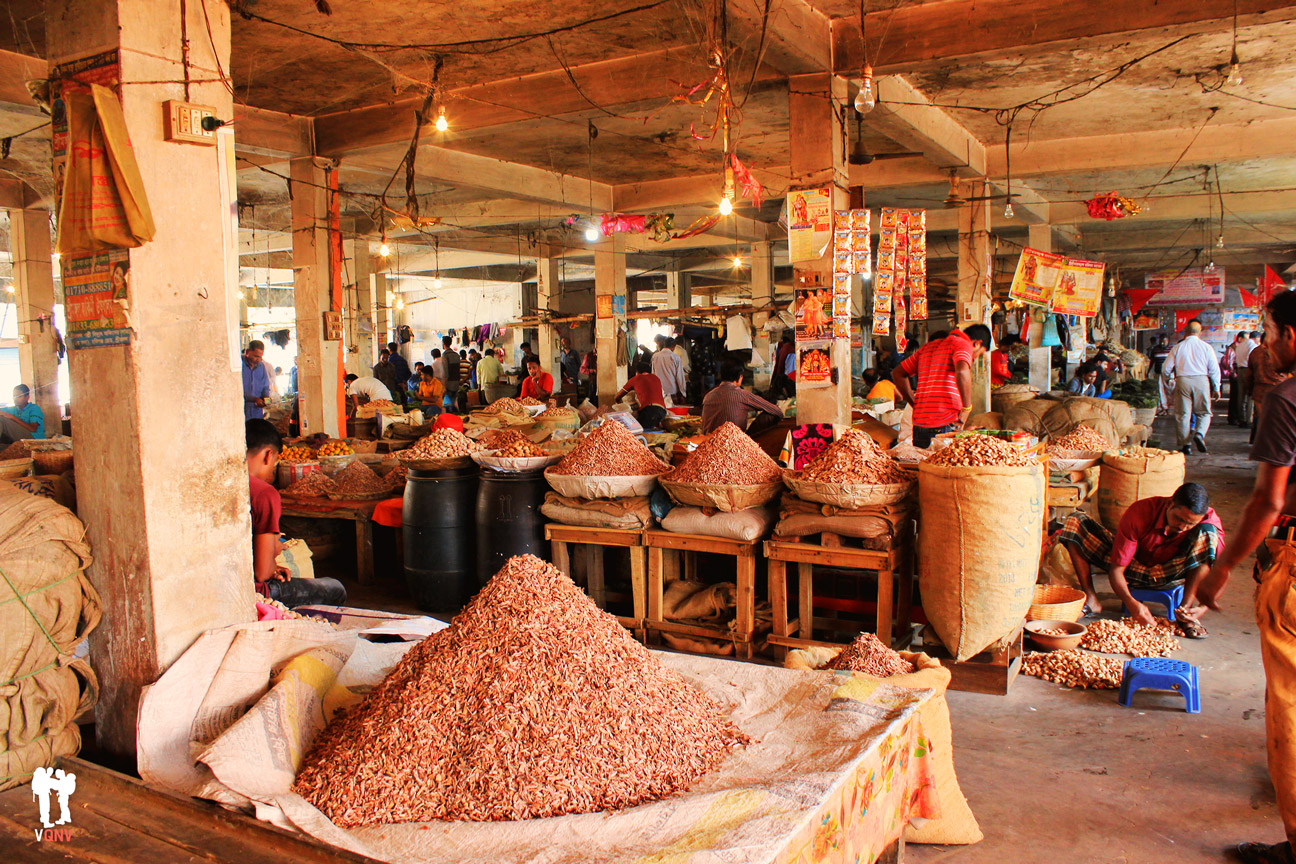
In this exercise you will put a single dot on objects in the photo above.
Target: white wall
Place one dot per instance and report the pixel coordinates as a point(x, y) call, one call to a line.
point(458, 304)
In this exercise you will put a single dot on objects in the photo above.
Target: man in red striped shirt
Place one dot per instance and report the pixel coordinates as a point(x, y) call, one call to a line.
point(943, 367)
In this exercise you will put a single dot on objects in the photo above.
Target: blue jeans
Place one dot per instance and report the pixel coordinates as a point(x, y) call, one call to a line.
point(922, 436)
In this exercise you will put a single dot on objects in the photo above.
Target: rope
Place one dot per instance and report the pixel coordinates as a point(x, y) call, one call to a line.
point(20, 598)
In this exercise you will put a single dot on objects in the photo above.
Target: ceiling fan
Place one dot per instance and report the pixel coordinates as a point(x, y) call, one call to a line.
point(954, 199)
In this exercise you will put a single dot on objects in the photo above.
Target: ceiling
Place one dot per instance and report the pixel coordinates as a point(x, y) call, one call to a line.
point(525, 82)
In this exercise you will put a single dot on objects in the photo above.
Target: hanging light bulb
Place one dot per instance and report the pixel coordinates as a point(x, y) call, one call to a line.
point(10, 289)
point(592, 233)
point(726, 206)
point(400, 304)
point(1210, 267)
point(865, 100)
point(1219, 242)
point(1234, 77)
point(737, 262)
point(441, 122)
point(436, 283)
point(384, 250)
point(1008, 211)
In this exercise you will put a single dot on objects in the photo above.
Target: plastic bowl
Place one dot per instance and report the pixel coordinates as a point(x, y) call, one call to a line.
point(1075, 632)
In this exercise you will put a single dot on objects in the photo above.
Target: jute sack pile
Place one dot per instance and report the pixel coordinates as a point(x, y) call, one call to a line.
point(47, 608)
point(1126, 479)
point(956, 826)
point(979, 550)
point(623, 513)
point(1003, 398)
point(1026, 416)
point(1065, 416)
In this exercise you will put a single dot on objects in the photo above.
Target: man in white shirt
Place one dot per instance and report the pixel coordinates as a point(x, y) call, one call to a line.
point(668, 369)
point(1193, 366)
point(362, 390)
point(1240, 404)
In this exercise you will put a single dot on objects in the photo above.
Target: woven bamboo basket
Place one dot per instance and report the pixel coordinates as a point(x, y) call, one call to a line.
point(725, 498)
point(625, 486)
point(11, 468)
point(52, 461)
point(442, 464)
point(1056, 603)
point(851, 496)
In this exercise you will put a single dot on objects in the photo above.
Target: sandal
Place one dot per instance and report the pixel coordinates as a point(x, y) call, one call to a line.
point(1190, 629)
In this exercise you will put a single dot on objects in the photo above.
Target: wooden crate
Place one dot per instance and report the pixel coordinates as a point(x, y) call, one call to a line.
point(894, 566)
point(671, 554)
point(988, 672)
point(591, 542)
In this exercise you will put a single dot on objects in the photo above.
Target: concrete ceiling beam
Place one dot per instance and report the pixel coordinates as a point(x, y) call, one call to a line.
point(795, 38)
point(926, 33)
point(905, 115)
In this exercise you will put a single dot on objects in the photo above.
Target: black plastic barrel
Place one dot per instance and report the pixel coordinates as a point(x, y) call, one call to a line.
point(509, 521)
point(439, 530)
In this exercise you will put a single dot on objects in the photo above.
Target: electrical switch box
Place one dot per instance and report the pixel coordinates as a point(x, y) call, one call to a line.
point(182, 121)
point(333, 326)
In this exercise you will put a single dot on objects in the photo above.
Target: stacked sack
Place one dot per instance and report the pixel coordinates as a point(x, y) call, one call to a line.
point(604, 482)
point(853, 489)
point(47, 608)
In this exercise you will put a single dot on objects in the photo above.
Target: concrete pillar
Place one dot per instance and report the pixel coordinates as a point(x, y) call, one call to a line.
point(319, 361)
point(33, 270)
point(817, 148)
point(1041, 359)
point(161, 482)
point(383, 311)
point(974, 281)
point(548, 290)
point(762, 292)
point(609, 282)
point(358, 292)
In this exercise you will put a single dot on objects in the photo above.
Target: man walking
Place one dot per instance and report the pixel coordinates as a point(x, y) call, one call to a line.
point(1196, 373)
point(1270, 512)
point(668, 369)
point(1237, 413)
point(943, 368)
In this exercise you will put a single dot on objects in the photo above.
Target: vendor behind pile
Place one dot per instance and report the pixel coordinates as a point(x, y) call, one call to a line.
point(1085, 382)
point(538, 384)
point(648, 393)
point(1160, 542)
point(730, 403)
point(23, 420)
point(365, 390)
point(943, 368)
point(263, 448)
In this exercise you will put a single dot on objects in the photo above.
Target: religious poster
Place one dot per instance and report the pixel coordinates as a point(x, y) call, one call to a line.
point(814, 311)
point(810, 223)
point(814, 364)
point(808, 441)
point(1189, 287)
point(1147, 321)
point(96, 291)
point(1037, 277)
point(1079, 288)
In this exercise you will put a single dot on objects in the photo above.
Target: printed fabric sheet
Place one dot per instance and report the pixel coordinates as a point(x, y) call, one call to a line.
point(834, 774)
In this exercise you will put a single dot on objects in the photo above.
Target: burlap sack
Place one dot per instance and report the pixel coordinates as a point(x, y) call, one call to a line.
point(978, 550)
point(1026, 416)
point(956, 825)
point(989, 420)
point(1126, 479)
point(1003, 398)
point(1065, 416)
point(622, 513)
point(42, 687)
point(744, 525)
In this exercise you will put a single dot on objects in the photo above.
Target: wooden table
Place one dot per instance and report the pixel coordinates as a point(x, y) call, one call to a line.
point(665, 551)
point(116, 818)
point(893, 566)
point(359, 512)
point(593, 541)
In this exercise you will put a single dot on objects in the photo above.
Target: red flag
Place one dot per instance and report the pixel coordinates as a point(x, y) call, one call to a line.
point(1249, 299)
point(1183, 316)
point(1139, 297)
point(1270, 284)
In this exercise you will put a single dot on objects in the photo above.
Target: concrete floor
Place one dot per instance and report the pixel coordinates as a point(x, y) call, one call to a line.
point(1070, 776)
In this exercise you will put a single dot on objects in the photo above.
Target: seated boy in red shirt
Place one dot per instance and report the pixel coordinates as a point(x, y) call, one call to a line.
point(263, 447)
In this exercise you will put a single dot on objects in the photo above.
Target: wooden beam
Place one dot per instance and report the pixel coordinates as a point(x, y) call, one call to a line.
point(1030, 206)
point(905, 115)
point(17, 195)
point(608, 83)
point(15, 71)
point(961, 29)
point(1146, 149)
point(468, 170)
point(271, 133)
point(794, 38)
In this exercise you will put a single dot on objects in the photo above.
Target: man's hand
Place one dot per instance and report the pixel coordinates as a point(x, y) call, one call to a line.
point(280, 574)
point(1141, 613)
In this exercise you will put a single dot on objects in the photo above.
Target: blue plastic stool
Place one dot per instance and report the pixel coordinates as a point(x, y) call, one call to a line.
point(1171, 598)
point(1159, 673)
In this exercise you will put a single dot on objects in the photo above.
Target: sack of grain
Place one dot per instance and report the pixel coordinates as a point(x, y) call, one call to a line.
point(1133, 474)
point(744, 525)
point(956, 825)
point(1065, 416)
point(1003, 398)
point(989, 420)
point(622, 513)
point(1025, 416)
point(978, 550)
point(44, 687)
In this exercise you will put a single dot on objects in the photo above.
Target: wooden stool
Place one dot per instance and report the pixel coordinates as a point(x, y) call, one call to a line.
point(593, 541)
point(665, 551)
point(890, 564)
